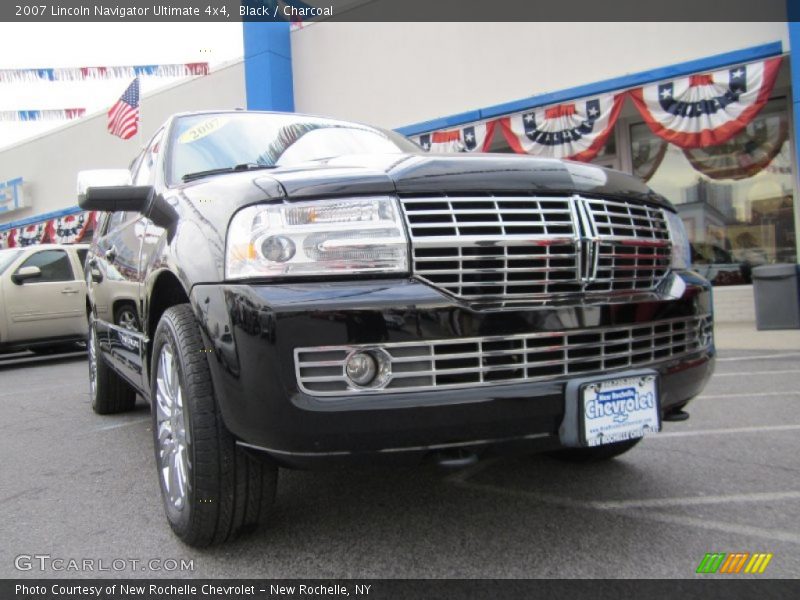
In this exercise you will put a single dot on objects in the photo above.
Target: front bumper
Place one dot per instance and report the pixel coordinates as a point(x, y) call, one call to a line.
point(254, 330)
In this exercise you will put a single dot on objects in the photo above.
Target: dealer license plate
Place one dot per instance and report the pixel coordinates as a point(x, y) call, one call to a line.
point(615, 410)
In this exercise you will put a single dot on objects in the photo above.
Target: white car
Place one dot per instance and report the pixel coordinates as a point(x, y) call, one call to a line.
point(42, 297)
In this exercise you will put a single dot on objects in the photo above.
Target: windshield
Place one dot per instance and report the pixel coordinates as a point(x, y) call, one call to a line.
point(7, 256)
point(227, 140)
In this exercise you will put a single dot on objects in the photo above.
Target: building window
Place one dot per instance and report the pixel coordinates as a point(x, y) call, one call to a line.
point(736, 199)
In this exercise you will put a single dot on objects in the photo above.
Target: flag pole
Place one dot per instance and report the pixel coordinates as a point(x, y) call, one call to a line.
point(139, 131)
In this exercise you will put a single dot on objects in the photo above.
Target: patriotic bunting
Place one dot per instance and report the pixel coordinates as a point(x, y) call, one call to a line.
point(64, 114)
point(576, 131)
point(28, 235)
point(72, 228)
point(69, 229)
point(476, 137)
point(698, 111)
point(707, 109)
point(87, 73)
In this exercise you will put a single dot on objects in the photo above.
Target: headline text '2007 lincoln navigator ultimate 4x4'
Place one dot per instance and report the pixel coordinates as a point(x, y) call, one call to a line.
point(302, 291)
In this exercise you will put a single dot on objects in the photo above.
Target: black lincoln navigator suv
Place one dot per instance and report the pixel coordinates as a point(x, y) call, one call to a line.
point(295, 291)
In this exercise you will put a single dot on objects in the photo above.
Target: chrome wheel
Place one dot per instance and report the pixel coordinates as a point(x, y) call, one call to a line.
point(127, 319)
point(92, 361)
point(171, 432)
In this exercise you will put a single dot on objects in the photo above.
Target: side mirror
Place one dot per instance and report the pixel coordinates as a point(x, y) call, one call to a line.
point(25, 274)
point(110, 190)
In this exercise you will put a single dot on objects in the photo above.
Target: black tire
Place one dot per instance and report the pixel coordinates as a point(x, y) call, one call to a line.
point(228, 490)
point(595, 454)
point(110, 393)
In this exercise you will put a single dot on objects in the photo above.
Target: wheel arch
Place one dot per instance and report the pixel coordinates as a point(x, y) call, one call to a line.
point(167, 291)
point(122, 302)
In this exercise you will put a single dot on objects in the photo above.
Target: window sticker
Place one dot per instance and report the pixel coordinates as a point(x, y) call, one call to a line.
point(202, 129)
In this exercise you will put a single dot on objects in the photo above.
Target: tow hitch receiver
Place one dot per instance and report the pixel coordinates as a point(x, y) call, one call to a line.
point(455, 459)
point(676, 415)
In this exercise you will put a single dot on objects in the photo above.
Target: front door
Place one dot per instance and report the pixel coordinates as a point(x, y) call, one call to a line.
point(49, 306)
point(116, 296)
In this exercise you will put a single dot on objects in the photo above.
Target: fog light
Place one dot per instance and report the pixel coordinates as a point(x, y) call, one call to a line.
point(361, 368)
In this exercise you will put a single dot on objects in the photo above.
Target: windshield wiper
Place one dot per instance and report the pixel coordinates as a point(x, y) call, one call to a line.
point(234, 169)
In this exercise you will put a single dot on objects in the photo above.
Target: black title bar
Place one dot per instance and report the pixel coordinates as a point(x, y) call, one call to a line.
point(307, 11)
point(385, 589)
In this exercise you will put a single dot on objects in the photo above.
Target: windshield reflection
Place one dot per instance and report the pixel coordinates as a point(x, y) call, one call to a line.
point(224, 140)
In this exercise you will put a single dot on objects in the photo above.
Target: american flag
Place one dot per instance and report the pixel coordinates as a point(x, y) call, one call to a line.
point(123, 117)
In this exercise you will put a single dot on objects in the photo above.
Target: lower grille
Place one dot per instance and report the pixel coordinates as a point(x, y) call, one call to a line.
point(467, 362)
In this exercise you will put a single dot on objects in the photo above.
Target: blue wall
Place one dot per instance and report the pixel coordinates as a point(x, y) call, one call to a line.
point(268, 66)
point(793, 14)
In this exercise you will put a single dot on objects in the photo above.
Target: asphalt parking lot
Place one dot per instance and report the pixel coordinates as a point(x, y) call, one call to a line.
point(79, 486)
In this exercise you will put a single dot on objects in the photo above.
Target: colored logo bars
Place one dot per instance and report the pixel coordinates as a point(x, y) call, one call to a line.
point(734, 563)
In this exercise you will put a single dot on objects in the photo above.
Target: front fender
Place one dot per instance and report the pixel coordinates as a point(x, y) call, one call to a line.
point(3, 314)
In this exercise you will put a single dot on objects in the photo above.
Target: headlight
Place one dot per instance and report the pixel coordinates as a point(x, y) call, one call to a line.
point(330, 237)
point(681, 250)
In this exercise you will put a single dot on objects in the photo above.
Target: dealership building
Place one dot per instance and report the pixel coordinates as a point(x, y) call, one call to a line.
point(708, 114)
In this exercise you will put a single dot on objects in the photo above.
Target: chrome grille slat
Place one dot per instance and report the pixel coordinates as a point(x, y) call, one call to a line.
point(507, 270)
point(481, 247)
point(466, 362)
point(498, 241)
point(511, 283)
point(500, 221)
point(513, 257)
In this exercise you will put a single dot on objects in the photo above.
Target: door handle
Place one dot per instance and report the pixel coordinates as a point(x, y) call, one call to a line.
point(69, 291)
point(111, 254)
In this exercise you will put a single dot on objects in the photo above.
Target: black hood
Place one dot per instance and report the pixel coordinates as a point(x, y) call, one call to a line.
point(456, 173)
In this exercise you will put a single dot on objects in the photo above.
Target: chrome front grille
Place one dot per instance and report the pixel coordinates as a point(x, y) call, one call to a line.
point(633, 249)
point(494, 246)
point(511, 247)
point(468, 362)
